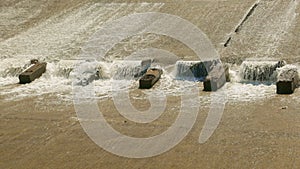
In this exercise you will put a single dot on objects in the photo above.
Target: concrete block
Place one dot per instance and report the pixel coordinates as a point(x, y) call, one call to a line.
point(150, 78)
point(288, 80)
point(216, 79)
point(33, 72)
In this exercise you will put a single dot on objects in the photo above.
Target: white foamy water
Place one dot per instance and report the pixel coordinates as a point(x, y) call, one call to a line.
point(260, 70)
point(12, 66)
point(237, 92)
point(105, 87)
point(58, 41)
point(61, 74)
point(129, 69)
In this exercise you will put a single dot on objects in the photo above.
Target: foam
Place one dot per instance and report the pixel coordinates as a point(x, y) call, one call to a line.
point(104, 88)
point(260, 70)
point(62, 36)
point(57, 38)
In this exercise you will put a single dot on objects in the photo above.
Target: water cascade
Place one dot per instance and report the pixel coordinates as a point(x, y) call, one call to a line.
point(193, 70)
point(129, 69)
point(260, 71)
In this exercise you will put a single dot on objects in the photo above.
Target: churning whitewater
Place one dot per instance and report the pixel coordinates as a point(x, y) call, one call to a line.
point(58, 41)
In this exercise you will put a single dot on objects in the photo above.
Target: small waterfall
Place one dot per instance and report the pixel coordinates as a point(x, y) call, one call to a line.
point(129, 69)
point(65, 67)
point(12, 67)
point(88, 71)
point(12, 71)
point(82, 71)
point(260, 71)
point(193, 70)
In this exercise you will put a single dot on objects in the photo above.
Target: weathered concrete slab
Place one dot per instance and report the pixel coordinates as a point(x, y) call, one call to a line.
point(33, 72)
point(288, 80)
point(216, 79)
point(150, 78)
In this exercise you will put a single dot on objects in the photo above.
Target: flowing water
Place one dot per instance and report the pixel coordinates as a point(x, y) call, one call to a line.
point(259, 70)
point(58, 40)
point(57, 32)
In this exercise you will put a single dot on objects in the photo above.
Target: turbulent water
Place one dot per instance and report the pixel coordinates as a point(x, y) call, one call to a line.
point(59, 78)
point(59, 38)
point(259, 70)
